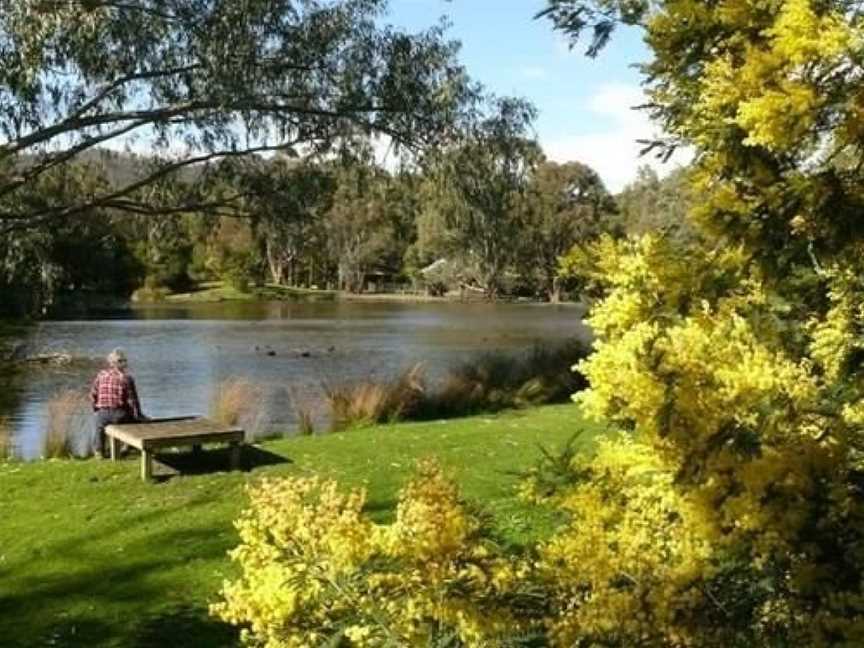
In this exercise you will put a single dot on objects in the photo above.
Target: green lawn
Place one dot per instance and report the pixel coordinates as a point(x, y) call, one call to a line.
point(217, 291)
point(89, 555)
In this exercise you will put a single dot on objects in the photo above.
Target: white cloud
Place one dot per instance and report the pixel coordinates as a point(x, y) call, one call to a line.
point(613, 150)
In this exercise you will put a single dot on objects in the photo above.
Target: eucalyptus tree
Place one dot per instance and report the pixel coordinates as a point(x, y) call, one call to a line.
point(474, 213)
point(33, 264)
point(358, 230)
point(565, 205)
point(286, 201)
point(654, 204)
point(199, 80)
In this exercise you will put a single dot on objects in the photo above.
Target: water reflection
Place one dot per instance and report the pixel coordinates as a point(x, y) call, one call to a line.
point(180, 354)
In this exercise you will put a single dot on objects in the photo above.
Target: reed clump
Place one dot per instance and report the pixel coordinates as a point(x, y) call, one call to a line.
point(304, 409)
point(238, 402)
point(305, 422)
point(7, 445)
point(66, 425)
point(497, 380)
point(488, 383)
point(361, 403)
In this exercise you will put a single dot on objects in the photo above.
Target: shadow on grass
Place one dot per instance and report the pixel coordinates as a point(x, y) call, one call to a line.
point(172, 464)
point(183, 627)
point(382, 511)
point(108, 603)
point(83, 589)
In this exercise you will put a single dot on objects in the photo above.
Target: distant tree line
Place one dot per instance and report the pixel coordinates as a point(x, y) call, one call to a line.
point(489, 218)
point(260, 118)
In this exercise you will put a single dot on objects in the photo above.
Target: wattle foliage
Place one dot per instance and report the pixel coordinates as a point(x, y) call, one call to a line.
point(315, 570)
point(735, 358)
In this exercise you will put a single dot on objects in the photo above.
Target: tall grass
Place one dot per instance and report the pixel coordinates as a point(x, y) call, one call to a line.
point(66, 425)
point(489, 383)
point(498, 380)
point(7, 446)
point(239, 402)
point(367, 402)
point(305, 422)
point(304, 410)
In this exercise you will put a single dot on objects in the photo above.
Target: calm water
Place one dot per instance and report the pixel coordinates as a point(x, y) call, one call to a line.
point(180, 354)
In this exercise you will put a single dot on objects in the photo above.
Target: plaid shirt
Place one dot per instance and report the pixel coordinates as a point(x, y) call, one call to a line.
point(114, 389)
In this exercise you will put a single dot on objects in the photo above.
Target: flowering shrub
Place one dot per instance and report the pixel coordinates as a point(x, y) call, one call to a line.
point(301, 542)
point(753, 520)
point(736, 358)
point(316, 569)
point(627, 567)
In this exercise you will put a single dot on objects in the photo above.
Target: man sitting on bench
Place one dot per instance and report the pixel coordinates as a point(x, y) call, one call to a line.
point(114, 398)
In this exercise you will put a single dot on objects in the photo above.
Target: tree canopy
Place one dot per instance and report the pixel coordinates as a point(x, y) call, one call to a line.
point(479, 182)
point(734, 354)
point(203, 79)
point(566, 205)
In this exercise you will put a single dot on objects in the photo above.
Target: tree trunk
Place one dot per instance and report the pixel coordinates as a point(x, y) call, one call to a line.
point(491, 285)
point(555, 291)
point(274, 264)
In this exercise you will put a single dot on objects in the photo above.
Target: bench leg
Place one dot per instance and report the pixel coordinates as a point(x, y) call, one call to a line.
point(146, 465)
point(235, 455)
point(114, 446)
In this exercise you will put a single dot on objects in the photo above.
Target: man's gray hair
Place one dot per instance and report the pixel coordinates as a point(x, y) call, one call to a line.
point(116, 358)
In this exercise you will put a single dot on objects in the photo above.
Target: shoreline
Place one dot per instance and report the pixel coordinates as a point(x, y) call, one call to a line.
point(86, 305)
point(218, 292)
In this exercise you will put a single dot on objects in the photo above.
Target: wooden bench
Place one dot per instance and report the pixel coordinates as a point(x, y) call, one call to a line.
point(155, 434)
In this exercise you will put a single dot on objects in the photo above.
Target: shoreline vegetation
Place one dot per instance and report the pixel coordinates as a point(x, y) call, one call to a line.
point(219, 291)
point(492, 382)
point(85, 303)
point(90, 556)
point(489, 383)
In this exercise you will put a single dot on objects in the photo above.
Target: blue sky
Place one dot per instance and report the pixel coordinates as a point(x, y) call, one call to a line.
point(584, 103)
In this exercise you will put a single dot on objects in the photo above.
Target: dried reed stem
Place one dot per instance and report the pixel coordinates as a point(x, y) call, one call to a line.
point(238, 401)
point(7, 445)
point(66, 424)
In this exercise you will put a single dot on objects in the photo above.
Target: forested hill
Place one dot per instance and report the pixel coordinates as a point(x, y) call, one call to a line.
point(117, 168)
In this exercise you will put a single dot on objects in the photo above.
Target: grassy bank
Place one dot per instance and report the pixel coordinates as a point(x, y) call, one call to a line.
point(217, 291)
point(90, 556)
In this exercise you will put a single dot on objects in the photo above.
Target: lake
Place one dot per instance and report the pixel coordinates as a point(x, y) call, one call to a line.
point(180, 354)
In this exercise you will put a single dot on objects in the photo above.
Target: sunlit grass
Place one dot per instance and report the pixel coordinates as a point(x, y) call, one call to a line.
point(218, 291)
point(91, 556)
